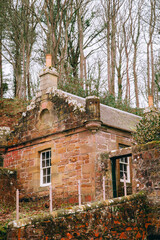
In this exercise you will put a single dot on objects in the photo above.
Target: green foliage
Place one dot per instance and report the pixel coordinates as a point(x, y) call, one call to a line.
point(3, 231)
point(73, 86)
point(148, 129)
point(121, 104)
point(5, 87)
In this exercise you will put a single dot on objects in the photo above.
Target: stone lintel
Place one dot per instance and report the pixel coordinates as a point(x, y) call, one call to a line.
point(120, 152)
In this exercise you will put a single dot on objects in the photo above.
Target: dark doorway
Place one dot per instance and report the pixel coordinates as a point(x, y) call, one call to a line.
point(113, 163)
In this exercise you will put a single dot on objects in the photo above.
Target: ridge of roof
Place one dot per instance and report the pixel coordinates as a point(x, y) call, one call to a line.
point(116, 109)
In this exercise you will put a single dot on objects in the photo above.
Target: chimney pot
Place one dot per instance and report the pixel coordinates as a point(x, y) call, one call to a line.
point(48, 60)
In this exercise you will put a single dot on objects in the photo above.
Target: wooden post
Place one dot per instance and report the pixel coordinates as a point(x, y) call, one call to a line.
point(50, 198)
point(125, 186)
point(79, 192)
point(104, 189)
point(17, 204)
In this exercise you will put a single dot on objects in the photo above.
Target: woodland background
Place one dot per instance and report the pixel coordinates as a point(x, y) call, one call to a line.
point(107, 48)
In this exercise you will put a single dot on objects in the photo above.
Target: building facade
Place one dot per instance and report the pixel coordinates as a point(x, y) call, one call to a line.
point(63, 138)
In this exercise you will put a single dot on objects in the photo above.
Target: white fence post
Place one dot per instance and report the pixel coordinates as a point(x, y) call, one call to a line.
point(17, 204)
point(125, 186)
point(79, 192)
point(50, 198)
point(104, 189)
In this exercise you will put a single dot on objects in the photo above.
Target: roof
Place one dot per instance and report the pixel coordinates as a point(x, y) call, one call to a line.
point(110, 116)
point(113, 117)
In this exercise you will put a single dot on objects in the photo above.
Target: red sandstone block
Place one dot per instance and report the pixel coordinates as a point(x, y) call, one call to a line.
point(69, 235)
point(73, 159)
point(117, 222)
point(61, 150)
point(138, 235)
point(61, 169)
point(128, 229)
point(78, 167)
point(147, 224)
point(71, 147)
point(88, 198)
point(70, 167)
point(123, 236)
point(87, 148)
point(59, 145)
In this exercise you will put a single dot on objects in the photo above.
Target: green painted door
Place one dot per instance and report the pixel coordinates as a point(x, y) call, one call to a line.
point(113, 163)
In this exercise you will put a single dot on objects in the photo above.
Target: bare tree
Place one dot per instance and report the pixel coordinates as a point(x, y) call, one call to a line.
point(135, 35)
point(127, 47)
point(20, 37)
point(149, 34)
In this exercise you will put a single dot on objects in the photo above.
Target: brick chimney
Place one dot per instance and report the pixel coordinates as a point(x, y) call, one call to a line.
point(150, 108)
point(150, 101)
point(48, 75)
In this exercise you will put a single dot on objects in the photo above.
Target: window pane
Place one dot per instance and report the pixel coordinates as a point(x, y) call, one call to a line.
point(121, 175)
point(43, 164)
point(126, 160)
point(43, 155)
point(47, 163)
point(48, 171)
point(125, 167)
point(44, 180)
point(44, 172)
point(48, 179)
point(121, 167)
point(47, 154)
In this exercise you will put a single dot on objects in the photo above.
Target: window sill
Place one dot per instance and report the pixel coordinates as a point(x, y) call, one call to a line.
point(45, 185)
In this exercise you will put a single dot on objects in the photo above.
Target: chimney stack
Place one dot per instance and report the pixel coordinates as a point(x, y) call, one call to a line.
point(150, 101)
point(48, 75)
point(48, 60)
point(150, 108)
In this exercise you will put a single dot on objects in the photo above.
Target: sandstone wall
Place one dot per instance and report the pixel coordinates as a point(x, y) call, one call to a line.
point(146, 170)
point(75, 156)
point(118, 219)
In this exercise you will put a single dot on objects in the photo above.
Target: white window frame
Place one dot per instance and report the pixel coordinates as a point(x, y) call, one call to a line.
point(128, 180)
point(46, 165)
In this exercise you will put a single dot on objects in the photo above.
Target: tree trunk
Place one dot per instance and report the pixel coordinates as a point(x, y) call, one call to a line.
point(108, 48)
point(135, 76)
point(85, 75)
point(24, 75)
point(148, 70)
point(152, 68)
point(113, 48)
point(28, 75)
point(80, 33)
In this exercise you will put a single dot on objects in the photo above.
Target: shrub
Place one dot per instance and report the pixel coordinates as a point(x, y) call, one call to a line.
point(148, 128)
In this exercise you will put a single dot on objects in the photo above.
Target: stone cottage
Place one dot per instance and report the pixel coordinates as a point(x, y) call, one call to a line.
point(61, 139)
